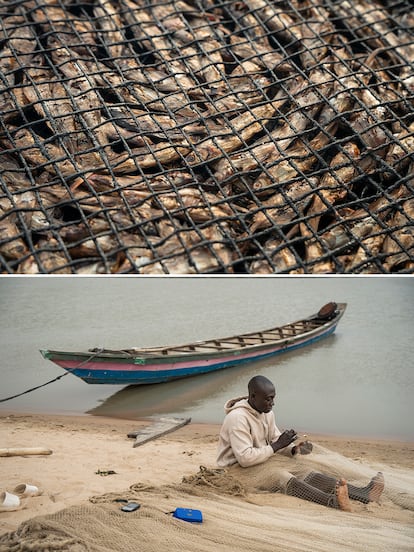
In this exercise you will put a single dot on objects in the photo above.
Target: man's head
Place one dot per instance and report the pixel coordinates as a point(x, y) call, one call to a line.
point(261, 394)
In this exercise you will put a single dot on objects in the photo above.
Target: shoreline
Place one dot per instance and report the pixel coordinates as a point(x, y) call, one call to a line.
point(145, 419)
point(83, 445)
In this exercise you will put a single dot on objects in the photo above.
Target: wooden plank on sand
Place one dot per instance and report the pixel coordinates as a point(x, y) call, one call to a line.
point(160, 427)
point(24, 451)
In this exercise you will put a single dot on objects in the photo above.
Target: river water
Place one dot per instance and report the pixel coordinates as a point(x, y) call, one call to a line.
point(357, 382)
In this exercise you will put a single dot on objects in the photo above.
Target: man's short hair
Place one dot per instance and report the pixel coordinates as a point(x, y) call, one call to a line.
point(258, 382)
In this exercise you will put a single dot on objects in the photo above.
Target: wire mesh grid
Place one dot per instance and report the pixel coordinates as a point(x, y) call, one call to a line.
point(199, 136)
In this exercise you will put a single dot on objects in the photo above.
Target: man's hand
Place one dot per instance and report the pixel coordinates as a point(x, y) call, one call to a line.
point(285, 439)
point(304, 447)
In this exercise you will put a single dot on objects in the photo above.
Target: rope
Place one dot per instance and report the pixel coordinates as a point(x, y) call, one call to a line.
point(69, 370)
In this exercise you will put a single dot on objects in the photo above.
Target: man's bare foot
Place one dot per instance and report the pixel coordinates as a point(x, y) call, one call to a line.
point(342, 497)
point(375, 487)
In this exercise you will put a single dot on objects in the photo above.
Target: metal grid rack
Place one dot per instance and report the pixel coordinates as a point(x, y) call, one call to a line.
point(204, 136)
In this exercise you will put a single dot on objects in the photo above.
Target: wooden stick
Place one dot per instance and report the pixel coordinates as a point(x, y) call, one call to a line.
point(24, 451)
point(160, 427)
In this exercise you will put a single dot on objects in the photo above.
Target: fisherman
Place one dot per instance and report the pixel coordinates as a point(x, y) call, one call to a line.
point(249, 437)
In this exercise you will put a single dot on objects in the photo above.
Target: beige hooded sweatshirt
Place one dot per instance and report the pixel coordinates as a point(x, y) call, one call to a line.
point(246, 434)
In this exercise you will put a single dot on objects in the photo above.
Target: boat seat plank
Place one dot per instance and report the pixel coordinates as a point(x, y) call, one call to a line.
point(249, 339)
point(283, 332)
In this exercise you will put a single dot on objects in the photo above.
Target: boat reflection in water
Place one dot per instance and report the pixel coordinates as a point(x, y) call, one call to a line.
point(201, 397)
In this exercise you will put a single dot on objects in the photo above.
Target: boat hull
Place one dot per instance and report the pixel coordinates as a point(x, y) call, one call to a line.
point(95, 369)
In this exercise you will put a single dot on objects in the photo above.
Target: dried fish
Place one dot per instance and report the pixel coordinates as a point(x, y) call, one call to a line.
point(191, 252)
point(19, 44)
point(355, 228)
point(109, 23)
point(105, 243)
point(398, 246)
point(14, 177)
point(66, 28)
point(242, 128)
point(249, 87)
point(335, 184)
point(364, 260)
point(47, 258)
point(279, 259)
point(291, 164)
point(276, 19)
point(143, 24)
point(264, 57)
point(55, 104)
point(285, 206)
point(196, 205)
point(371, 23)
point(204, 59)
point(316, 34)
point(401, 151)
point(307, 104)
point(12, 245)
point(200, 137)
point(128, 185)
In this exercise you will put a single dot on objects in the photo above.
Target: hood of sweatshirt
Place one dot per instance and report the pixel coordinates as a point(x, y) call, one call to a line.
point(239, 402)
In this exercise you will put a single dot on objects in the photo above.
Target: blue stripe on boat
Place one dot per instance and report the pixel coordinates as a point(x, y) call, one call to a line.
point(128, 377)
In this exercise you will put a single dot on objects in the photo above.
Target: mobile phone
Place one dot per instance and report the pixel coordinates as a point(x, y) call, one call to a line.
point(130, 507)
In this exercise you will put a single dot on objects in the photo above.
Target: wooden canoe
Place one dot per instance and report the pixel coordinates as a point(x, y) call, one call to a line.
point(160, 364)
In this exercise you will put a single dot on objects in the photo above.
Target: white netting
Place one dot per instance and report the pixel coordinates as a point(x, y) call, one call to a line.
point(235, 516)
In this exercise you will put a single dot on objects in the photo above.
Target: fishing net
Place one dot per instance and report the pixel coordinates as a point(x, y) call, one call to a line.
point(206, 136)
point(235, 517)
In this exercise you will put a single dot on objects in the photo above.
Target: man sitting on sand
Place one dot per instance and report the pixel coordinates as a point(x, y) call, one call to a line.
point(249, 436)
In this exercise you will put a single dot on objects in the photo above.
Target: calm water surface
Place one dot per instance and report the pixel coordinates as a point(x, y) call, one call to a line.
point(360, 381)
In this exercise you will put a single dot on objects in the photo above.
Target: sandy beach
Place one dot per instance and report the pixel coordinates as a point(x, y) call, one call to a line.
point(84, 446)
